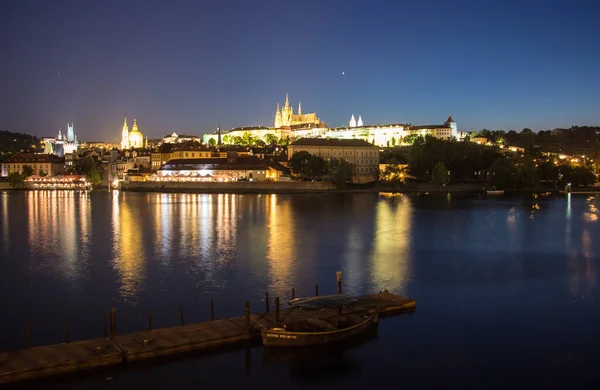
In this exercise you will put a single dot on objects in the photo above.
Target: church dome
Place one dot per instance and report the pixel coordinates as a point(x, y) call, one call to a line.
point(136, 139)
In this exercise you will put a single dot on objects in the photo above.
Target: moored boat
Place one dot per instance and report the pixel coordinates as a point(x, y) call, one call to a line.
point(323, 329)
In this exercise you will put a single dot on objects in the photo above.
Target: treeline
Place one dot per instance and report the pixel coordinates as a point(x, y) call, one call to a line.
point(307, 166)
point(576, 138)
point(11, 143)
point(439, 161)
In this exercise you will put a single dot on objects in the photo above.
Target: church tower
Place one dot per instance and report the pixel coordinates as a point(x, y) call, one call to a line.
point(299, 108)
point(70, 132)
point(286, 112)
point(352, 121)
point(277, 117)
point(125, 136)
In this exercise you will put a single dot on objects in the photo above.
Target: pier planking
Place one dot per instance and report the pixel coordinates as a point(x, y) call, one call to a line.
point(49, 360)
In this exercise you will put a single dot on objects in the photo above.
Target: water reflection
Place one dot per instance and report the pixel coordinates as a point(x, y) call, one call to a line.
point(390, 258)
point(128, 257)
point(4, 217)
point(59, 229)
point(281, 244)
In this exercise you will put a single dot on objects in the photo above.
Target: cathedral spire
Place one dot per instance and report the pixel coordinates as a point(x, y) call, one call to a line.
point(299, 108)
point(352, 121)
point(360, 122)
point(287, 101)
point(125, 124)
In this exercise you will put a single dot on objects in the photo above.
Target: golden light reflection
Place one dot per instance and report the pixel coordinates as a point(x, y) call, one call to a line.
point(58, 224)
point(281, 245)
point(226, 225)
point(128, 250)
point(4, 216)
point(390, 259)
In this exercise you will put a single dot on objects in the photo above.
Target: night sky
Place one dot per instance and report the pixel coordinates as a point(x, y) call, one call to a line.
point(191, 66)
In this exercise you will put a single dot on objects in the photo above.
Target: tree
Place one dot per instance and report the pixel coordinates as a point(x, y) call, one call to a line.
point(393, 141)
point(412, 139)
point(27, 171)
point(340, 171)
point(548, 172)
point(299, 161)
point(316, 167)
point(439, 174)
point(42, 173)
point(503, 173)
point(528, 177)
point(89, 167)
point(226, 139)
point(391, 175)
point(212, 143)
point(271, 139)
point(15, 177)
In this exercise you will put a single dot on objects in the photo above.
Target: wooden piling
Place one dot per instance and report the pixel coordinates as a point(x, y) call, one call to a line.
point(113, 322)
point(27, 345)
point(181, 313)
point(149, 320)
point(267, 301)
point(247, 316)
point(293, 292)
point(212, 310)
point(277, 311)
point(338, 276)
point(316, 290)
point(68, 330)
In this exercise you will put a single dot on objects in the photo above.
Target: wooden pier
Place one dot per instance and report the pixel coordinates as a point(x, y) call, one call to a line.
point(49, 360)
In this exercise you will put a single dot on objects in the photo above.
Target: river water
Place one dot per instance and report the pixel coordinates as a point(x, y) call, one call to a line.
point(506, 287)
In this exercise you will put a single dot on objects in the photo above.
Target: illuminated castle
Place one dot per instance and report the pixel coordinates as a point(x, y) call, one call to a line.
point(285, 116)
point(132, 139)
point(63, 143)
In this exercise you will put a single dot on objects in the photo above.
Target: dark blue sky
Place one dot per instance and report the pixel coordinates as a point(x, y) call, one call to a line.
point(188, 66)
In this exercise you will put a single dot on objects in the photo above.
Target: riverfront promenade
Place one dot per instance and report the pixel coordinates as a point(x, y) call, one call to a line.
point(50, 360)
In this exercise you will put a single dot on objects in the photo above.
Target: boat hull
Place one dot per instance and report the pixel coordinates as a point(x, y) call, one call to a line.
point(279, 337)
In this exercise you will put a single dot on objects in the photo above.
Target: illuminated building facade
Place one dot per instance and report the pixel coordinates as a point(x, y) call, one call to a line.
point(220, 169)
point(169, 151)
point(133, 139)
point(285, 116)
point(363, 156)
point(67, 182)
point(175, 138)
point(63, 143)
point(47, 164)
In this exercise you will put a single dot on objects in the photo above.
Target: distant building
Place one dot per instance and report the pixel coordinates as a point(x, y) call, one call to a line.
point(170, 151)
point(133, 139)
point(363, 156)
point(285, 116)
point(47, 164)
point(63, 143)
point(232, 168)
point(175, 138)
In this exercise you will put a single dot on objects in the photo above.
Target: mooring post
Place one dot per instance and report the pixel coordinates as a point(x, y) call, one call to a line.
point(212, 310)
point(247, 316)
point(277, 312)
point(181, 313)
point(68, 330)
point(293, 292)
point(105, 330)
point(267, 301)
point(113, 322)
point(316, 290)
point(149, 320)
point(338, 276)
point(27, 345)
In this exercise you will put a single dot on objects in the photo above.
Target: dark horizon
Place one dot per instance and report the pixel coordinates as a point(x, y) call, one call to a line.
point(188, 67)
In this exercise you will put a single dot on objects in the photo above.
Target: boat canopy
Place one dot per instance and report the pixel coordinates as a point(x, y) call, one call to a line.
point(323, 302)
